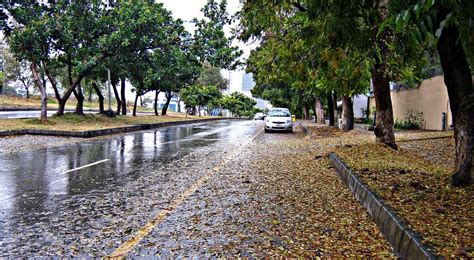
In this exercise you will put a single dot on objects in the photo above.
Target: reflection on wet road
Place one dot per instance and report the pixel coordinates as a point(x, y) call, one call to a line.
point(34, 182)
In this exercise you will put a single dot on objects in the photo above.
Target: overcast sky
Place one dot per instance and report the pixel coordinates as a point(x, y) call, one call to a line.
point(186, 10)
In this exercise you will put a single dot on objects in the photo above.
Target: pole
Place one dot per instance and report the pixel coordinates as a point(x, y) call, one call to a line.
point(108, 86)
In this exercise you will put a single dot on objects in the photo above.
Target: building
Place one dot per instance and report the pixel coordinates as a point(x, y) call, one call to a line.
point(173, 106)
point(359, 106)
point(430, 100)
point(247, 82)
point(247, 86)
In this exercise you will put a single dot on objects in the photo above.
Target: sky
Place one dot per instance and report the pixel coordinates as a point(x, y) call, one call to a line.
point(186, 10)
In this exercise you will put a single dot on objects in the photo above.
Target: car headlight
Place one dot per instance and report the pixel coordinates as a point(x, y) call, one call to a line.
point(288, 121)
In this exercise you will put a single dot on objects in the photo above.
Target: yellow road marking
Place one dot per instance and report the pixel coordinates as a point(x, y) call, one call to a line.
point(129, 244)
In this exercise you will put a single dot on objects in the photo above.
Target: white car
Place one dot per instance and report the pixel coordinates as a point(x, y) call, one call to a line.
point(279, 119)
point(259, 116)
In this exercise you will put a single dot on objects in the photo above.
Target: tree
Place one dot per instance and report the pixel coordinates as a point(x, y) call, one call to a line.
point(81, 36)
point(447, 26)
point(239, 104)
point(17, 71)
point(329, 27)
point(209, 48)
point(209, 41)
point(201, 96)
point(211, 76)
point(29, 41)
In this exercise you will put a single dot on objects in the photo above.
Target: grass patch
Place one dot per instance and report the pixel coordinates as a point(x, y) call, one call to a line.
point(73, 122)
point(37, 121)
point(419, 190)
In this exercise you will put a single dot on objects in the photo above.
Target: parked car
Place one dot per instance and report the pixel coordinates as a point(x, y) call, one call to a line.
point(279, 119)
point(259, 116)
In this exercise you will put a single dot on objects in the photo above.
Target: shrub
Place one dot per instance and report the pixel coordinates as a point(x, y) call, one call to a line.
point(414, 120)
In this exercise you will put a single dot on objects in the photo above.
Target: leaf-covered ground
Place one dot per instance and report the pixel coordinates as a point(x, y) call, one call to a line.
point(414, 181)
point(276, 198)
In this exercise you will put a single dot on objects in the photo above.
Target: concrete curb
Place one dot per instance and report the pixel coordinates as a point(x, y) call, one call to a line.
point(427, 138)
point(305, 130)
point(406, 244)
point(109, 131)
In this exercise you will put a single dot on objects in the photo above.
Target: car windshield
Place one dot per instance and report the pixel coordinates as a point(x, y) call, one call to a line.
point(279, 113)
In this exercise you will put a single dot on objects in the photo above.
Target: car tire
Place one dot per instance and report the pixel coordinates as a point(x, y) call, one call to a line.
point(267, 131)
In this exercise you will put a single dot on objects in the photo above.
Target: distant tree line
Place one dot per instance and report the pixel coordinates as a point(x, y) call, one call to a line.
point(70, 46)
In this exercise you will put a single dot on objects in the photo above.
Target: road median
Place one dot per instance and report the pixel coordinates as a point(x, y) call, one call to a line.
point(122, 126)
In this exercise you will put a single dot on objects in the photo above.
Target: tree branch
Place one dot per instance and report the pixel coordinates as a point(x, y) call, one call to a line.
point(298, 5)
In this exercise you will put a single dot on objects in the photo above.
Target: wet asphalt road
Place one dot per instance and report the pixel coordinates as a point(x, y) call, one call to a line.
point(23, 114)
point(69, 200)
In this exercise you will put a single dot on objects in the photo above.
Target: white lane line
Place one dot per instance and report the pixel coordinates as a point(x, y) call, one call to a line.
point(85, 166)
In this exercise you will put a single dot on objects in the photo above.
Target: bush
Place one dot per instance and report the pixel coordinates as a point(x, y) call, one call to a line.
point(9, 91)
point(368, 121)
point(414, 120)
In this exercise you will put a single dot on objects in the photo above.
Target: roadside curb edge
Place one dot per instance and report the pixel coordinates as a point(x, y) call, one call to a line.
point(405, 243)
point(305, 129)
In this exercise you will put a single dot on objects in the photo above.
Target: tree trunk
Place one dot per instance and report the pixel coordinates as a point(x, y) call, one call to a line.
point(1, 88)
point(89, 98)
point(383, 103)
point(52, 80)
point(368, 112)
point(347, 114)
point(101, 97)
point(80, 100)
point(458, 80)
point(141, 101)
point(117, 97)
point(179, 104)
point(164, 110)
point(42, 88)
point(67, 94)
point(319, 111)
point(199, 111)
point(331, 110)
point(122, 99)
point(306, 112)
point(27, 93)
point(135, 104)
point(336, 111)
point(156, 102)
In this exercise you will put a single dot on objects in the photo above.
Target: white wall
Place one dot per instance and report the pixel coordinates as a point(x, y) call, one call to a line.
point(359, 103)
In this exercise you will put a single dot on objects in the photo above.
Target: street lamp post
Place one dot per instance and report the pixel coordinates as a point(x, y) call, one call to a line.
point(109, 112)
point(108, 87)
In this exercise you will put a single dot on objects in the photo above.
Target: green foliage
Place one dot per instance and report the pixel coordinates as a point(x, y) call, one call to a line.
point(140, 40)
point(8, 91)
point(202, 96)
point(239, 104)
point(414, 120)
point(211, 76)
point(422, 21)
point(312, 48)
point(210, 42)
point(368, 121)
